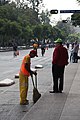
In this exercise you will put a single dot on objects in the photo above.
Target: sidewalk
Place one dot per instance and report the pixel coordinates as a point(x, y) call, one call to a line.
point(60, 106)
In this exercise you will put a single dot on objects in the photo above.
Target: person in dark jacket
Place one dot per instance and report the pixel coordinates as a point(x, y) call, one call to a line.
point(59, 60)
point(75, 52)
point(15, 49)
point(42, 49)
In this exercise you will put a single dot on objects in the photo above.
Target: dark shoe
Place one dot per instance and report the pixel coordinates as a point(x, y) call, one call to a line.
point(25, 103)
point(53, 91)
point(60, 91)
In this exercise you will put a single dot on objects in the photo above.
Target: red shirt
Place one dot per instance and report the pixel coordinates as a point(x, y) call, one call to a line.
point(60, 56)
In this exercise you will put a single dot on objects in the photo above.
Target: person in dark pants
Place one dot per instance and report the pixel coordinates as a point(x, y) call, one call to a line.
point(75, 52)
point(42, 50)
point(60, 59)
point(71, 54)
point(14, 49)
point(67, 45)
point(58, 74)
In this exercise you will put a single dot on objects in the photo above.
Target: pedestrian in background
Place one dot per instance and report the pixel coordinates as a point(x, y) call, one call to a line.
point(71, 52)
point(24, 74)
point(42, 49)
point(75, 52)
point(59, 60)
point(67, 44)
point(35, 46)
point(15, 50)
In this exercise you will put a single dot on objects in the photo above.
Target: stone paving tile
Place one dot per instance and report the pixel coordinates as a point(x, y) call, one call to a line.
point(59, 106)
point(70, 118)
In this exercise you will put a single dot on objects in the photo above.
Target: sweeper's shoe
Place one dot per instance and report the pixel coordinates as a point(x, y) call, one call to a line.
point(24, 103)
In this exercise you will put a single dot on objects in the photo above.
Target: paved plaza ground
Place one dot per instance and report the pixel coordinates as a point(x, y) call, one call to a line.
point(59, 106)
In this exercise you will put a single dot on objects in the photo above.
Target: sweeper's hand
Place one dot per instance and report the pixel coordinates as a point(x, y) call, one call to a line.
point(32, 72)
point(35, 73)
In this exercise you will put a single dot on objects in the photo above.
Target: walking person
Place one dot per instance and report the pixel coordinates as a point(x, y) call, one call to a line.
point(24, 74)
point(15, 50)
point(35, 46)
point(42, 49)
point(67, 44)
point(75, 52)
point(71, 53)
point(59, 60)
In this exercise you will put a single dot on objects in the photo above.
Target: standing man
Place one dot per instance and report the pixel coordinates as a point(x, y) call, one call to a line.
point(60, 59)
point(24, 74)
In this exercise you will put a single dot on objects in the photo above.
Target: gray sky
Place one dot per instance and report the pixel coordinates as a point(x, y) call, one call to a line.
point(61, 5)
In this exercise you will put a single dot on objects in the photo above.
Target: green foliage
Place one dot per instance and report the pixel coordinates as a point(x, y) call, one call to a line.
point(44, 17)
point(73, 37)
point(75, 18)
point(16, 22)
point(37, 31)
point(78, 1)
point(64, 30)
point(3, 2)
point(35, 4)
point(21, 24)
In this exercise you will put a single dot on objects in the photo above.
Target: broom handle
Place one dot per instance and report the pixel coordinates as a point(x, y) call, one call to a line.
point(36, 81)
point(33, 81)
point(34, 85)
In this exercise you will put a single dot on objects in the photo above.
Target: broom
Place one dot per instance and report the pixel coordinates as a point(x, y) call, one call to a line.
point(36, 94)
